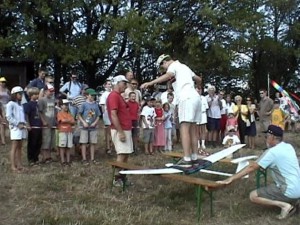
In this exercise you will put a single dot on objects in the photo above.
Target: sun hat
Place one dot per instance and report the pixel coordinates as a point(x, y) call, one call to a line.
point(161, 58)
point(16, 89)
point(2, 79)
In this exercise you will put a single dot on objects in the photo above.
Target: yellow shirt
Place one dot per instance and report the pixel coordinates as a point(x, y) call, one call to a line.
point(243, 110)
point(277, 117)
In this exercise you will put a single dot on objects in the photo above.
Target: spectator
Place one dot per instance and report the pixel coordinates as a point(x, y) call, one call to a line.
point(46, 107)
point(70, 90)
point(120, 125)
point(241, 111)
point(213, 115)
point(4, 99)
point(264, 109)
point(251, 129)
point(89, 114)
point(106, 121)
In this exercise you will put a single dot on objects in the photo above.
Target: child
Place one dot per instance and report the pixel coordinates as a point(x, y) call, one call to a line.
point(34, 143)
point(106, 121)
point(88, 115)
point(232, 121)
point(148, 114)
point(231, 138)
point(159, 130)
point(17, 125)
point(278, 116)
point(134, 114)
point(168, 126)
point(202, 125)
point(65, 120)
point(46, 106)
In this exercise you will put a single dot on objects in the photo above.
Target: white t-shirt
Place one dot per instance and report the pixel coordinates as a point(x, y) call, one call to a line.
point(234, 139)
point(214, 110)
point(149, 114)
point(183, 85)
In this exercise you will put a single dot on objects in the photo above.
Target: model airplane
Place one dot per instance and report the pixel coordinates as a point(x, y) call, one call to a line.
point(199, 166)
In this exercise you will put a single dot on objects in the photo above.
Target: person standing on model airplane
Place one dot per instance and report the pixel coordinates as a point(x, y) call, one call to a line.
point(189, 103)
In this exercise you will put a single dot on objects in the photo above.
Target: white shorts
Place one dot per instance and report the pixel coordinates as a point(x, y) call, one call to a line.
point(125, 147)
point(65, 139)
point(18, 134)
point(189, 110)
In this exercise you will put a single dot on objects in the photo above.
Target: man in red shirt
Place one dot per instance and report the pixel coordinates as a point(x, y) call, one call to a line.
point(118, 112)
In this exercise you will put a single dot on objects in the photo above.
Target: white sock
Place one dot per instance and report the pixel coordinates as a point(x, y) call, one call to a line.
point(194, 156)
point(203, 142)
point(187, 158)
point(198, 143)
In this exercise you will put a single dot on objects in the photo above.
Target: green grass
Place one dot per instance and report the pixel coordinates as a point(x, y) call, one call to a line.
point(81, 195)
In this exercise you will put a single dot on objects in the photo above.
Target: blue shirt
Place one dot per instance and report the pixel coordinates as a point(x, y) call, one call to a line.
point(73, 89)
point(283, 163)
point(37, 82)
point(32, 111)
point(89, 112)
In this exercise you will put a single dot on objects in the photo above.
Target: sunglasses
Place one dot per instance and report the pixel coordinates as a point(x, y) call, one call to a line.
point(134, 83)
point(261, 93)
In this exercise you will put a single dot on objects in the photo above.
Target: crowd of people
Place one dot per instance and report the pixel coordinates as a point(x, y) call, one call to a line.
point(198, 118)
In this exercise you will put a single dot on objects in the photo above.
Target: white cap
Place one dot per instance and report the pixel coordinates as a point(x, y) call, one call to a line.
point(16, 89)
point(65, 101)
point(161, 58)
point(118, 78)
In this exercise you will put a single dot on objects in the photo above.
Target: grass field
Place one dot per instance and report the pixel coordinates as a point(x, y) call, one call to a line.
point(52, 194)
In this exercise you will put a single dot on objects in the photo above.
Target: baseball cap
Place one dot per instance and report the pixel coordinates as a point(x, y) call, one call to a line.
point(49, 87)
point(161, 58)
point(65, 101)
point(275, 130)
point(118, 79)
point(90, 91)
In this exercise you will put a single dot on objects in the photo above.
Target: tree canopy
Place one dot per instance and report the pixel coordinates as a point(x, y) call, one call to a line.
point(231, 43)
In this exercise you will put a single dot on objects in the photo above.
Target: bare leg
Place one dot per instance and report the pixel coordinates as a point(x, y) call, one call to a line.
point(13, 155)
point(19, 155)
point(92, 151)
point(68, 154)
point(186, 138)
point(194, 137)
point(263, 201)
point(2, 134)
point(83, 152)
point(62, 154)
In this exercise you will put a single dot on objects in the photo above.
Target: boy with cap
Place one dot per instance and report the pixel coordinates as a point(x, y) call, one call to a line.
point(89, 114)
point(281, 159)
point(65, 121)
point(46, 107)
